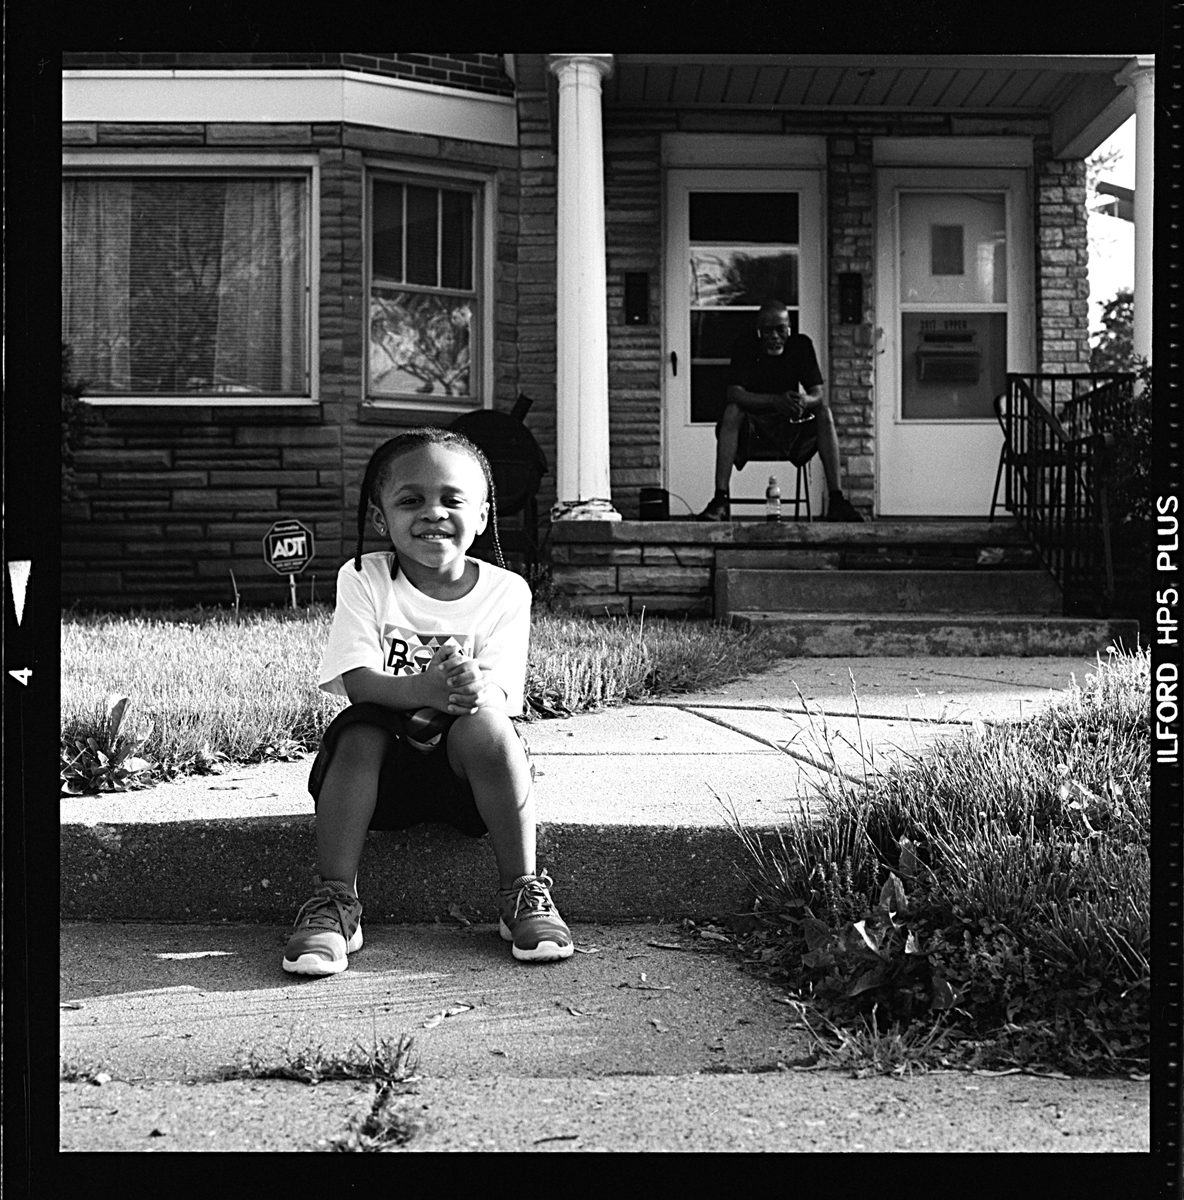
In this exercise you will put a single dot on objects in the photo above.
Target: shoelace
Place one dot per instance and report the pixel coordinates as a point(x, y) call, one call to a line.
point(316, 915)
point(534, 896)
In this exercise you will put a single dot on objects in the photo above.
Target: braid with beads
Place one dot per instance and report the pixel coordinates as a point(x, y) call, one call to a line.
point(380, 460)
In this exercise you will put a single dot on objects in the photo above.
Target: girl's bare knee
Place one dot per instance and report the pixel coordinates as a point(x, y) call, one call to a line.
point(361, 743)
point(488, 734)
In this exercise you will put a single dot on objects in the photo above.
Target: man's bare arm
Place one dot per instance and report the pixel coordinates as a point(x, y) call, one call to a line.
point(793, 403)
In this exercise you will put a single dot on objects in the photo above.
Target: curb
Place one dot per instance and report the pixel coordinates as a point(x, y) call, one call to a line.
point(262, 869)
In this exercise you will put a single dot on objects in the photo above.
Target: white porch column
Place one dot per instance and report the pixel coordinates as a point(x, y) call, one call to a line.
point(582, 483)
point(1139, 74)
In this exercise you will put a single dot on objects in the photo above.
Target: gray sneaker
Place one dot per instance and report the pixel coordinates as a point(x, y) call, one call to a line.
point(328, 930)
point(528, 918)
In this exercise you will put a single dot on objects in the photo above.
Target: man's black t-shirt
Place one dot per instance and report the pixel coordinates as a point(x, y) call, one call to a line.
point(796, 367)
point(773, 437)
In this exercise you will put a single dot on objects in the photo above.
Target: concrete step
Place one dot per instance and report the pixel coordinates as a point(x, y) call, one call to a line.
point(996, 591)
point(927, 557)
point(860, 635)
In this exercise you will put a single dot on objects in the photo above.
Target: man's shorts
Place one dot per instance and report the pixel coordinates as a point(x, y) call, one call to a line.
point(413, 787)
point(771, 437)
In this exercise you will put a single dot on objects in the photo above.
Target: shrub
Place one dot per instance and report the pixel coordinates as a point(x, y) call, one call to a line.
point(1115, 348)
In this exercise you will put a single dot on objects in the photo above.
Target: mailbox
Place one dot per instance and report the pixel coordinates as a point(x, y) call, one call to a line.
point(947, 357)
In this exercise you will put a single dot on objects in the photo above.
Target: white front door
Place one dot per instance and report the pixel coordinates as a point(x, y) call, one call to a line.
point(735, 239)
point(954, 308)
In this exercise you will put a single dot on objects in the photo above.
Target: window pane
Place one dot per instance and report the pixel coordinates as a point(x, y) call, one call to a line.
point(185, 284)
point(419, 344)
point(744, 217)
point(714, 332)
point(387, 231)
point(947, 255)
point(456, 252)
point(726, 275)
point(953, 364)
point(422, 236)
point(938, 227)
point(709, 384)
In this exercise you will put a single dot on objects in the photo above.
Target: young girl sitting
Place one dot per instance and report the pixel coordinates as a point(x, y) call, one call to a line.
point(429, 646)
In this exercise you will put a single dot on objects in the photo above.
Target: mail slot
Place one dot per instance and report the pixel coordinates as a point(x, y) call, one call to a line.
point(948, 358)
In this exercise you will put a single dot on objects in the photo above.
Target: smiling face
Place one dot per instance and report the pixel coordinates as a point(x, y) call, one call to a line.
point(772, 327)
point(433, 505)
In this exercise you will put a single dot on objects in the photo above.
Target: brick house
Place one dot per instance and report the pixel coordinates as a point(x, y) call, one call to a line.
point(273, 262)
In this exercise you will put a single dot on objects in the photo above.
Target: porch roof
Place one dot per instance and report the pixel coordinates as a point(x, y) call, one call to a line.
point(1079, 94)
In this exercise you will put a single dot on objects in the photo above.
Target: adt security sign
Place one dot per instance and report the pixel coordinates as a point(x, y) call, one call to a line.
point(288, 547)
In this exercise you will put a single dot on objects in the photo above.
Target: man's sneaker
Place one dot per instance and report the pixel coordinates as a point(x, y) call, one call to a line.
point(529, 919)
point(717, 510)
point(328, 929)
point(841, 509)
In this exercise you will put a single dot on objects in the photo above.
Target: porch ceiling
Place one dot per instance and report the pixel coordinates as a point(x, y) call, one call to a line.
point(1077, 93)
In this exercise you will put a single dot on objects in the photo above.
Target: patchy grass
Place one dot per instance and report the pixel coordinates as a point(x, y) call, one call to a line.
point(986, 904)
point(581, 663)
point(147, 696)
point(203, 687)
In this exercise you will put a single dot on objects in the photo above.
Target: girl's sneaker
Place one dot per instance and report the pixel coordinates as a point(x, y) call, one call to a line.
point(328, 930)
point(528, 918)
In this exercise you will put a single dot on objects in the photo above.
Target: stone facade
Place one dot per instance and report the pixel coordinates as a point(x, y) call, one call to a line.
point(1062, 273)
point(173, 499)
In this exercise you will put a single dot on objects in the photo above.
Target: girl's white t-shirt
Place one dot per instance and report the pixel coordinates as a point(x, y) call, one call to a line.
point(389, 625)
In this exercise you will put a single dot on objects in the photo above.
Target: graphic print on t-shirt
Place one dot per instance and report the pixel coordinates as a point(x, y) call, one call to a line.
point(406, 652)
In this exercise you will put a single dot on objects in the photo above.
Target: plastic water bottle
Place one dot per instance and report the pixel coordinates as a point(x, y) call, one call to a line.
point(772, 500)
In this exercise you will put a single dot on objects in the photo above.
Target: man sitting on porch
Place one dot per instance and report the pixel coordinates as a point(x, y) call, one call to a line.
point(776, 410)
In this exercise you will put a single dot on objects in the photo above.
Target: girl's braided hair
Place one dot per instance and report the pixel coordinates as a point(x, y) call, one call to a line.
point(377, 473)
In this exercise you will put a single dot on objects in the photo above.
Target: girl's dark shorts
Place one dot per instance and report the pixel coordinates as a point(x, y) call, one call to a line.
point(413, 787)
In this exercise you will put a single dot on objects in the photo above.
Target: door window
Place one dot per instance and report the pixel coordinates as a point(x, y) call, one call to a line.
point(953, 304)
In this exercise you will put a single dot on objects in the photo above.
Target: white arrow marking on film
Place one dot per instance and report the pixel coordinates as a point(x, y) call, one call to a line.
point(18, 580)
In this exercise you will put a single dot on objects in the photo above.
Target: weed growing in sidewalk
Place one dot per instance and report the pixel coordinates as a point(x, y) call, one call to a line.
point(385, 1060)
point(387, 1126)
point(985, 904)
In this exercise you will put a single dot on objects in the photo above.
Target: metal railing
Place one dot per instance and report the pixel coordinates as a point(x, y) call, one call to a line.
point(1058, 435)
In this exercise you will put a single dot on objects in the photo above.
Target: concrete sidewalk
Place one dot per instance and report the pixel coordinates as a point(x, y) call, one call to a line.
point(651, 1037)
point(632, 802)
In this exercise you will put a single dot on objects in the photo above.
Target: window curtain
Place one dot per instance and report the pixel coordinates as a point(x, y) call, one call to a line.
point(96, 277)
point(260, 328)
point(185, 284)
